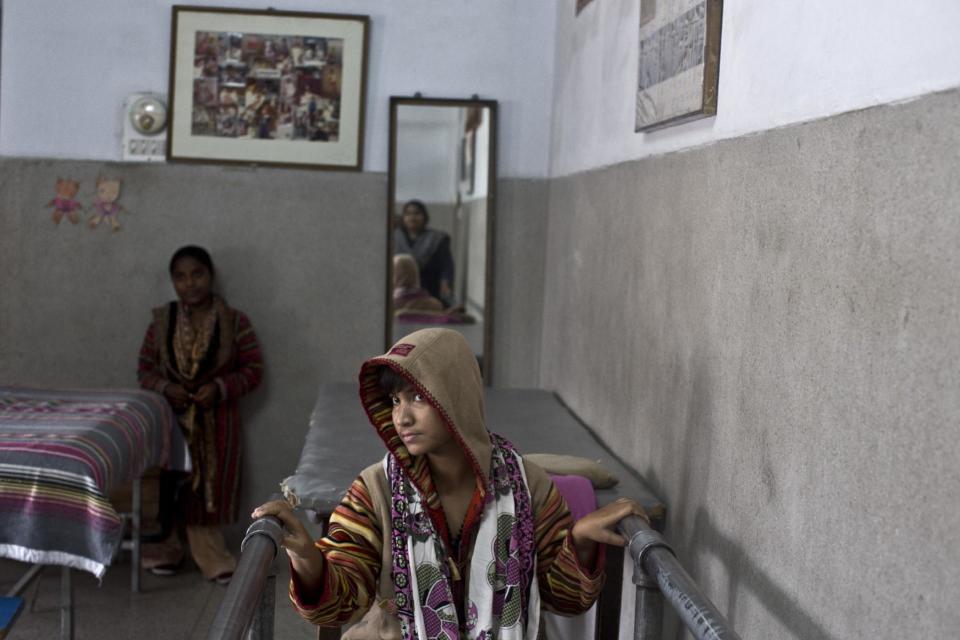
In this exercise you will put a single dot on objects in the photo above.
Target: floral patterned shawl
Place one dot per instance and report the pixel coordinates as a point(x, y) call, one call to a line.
point(502, 598)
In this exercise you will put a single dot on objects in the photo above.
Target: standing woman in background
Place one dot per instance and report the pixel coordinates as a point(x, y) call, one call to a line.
point(202, 356)
point(429, 247)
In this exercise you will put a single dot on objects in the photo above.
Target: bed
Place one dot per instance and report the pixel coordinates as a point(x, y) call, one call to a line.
point(340, 442)
point(62, 451)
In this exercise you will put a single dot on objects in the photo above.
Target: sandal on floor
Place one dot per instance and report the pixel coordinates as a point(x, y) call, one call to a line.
point(164, 570)
point(224, 578)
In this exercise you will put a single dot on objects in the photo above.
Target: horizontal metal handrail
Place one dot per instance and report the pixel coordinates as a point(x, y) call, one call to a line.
point(242, 601)
point(657, 573)
point(656, 567)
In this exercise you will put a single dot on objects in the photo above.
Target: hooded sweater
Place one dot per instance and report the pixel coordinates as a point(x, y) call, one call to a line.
point(439, 364)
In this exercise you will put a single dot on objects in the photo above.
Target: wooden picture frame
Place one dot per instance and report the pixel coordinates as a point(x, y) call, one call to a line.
point(279, 88)
point(679, 62)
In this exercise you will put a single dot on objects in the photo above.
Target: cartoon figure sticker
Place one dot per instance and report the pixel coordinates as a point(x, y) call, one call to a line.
point(65, 204)
point(105, 207)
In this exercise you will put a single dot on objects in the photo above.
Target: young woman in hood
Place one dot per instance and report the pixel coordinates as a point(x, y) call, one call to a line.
point(453, 534)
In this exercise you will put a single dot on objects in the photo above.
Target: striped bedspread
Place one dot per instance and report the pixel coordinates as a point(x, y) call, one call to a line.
point(61, 453)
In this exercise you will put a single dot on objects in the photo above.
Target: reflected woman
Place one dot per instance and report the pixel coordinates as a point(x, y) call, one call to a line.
point(408, 295)
point(429, 247)
point(202, 355)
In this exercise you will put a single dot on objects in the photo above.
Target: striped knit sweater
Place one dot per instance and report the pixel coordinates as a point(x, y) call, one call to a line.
point(354, 553)
point(237, 369)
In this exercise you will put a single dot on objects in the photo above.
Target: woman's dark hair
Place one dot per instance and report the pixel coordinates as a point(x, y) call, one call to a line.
point(192, 251)
point(419, 205)
point(391, 382)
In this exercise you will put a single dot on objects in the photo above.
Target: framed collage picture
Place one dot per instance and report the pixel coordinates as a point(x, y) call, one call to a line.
point(267, 87)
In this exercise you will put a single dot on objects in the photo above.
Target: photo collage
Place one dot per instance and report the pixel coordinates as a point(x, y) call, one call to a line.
point(270, 87)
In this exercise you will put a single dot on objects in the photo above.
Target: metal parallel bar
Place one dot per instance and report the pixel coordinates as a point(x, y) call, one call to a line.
point(652, 553)
point(66, 604)
point(236, 612)
point(654, 563)
point(135, 536)
point(262, 626)
point(697, 612)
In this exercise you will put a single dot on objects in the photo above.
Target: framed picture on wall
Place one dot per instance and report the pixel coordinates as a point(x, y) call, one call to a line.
point(267, 87)
point(679, 61)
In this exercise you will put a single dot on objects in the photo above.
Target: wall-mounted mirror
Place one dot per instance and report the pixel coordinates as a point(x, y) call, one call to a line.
point(440, 214)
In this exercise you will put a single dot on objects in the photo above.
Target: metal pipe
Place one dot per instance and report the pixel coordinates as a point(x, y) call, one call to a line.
point(259, 548)
point(648, 614)
point(652, 553)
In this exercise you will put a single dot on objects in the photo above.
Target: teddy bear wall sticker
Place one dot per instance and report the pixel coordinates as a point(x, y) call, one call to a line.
point(105, 207)
point(65, 202)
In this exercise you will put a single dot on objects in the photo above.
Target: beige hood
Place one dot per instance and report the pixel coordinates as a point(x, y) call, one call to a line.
point(439, 364)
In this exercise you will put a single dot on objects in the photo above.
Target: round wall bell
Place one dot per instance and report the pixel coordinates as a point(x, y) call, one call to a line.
point(148, 115)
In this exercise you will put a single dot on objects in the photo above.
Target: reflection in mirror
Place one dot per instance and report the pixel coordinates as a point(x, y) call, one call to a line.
point(440, 219)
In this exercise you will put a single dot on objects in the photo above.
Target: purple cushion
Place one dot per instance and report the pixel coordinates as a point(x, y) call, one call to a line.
point(578, 492)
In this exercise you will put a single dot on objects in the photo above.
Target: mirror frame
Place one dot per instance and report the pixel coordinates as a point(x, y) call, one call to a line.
point(417, 100)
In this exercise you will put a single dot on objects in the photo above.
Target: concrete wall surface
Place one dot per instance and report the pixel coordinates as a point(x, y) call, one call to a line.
point(520, 233)
point(303, 257)
point(768, 329)
point(302, 253)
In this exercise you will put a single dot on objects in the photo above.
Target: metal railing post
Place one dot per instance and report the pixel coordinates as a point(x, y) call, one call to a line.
point(246, 595)
point(648, 607)
point(66, 604)
point(654, 556)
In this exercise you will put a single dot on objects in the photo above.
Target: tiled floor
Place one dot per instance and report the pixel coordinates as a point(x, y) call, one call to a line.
point(176, 607)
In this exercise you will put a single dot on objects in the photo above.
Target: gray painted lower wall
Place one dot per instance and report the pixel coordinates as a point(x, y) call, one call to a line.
point(519, 259)
point(301, 252)
point(768, 329)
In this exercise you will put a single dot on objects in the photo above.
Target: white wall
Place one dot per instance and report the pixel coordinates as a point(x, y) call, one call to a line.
point(780, 63)
point(428, 139)
point(68, 65)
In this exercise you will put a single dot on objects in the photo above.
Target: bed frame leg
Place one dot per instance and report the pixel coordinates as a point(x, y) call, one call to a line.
point(66, 604)
point(135, 537)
